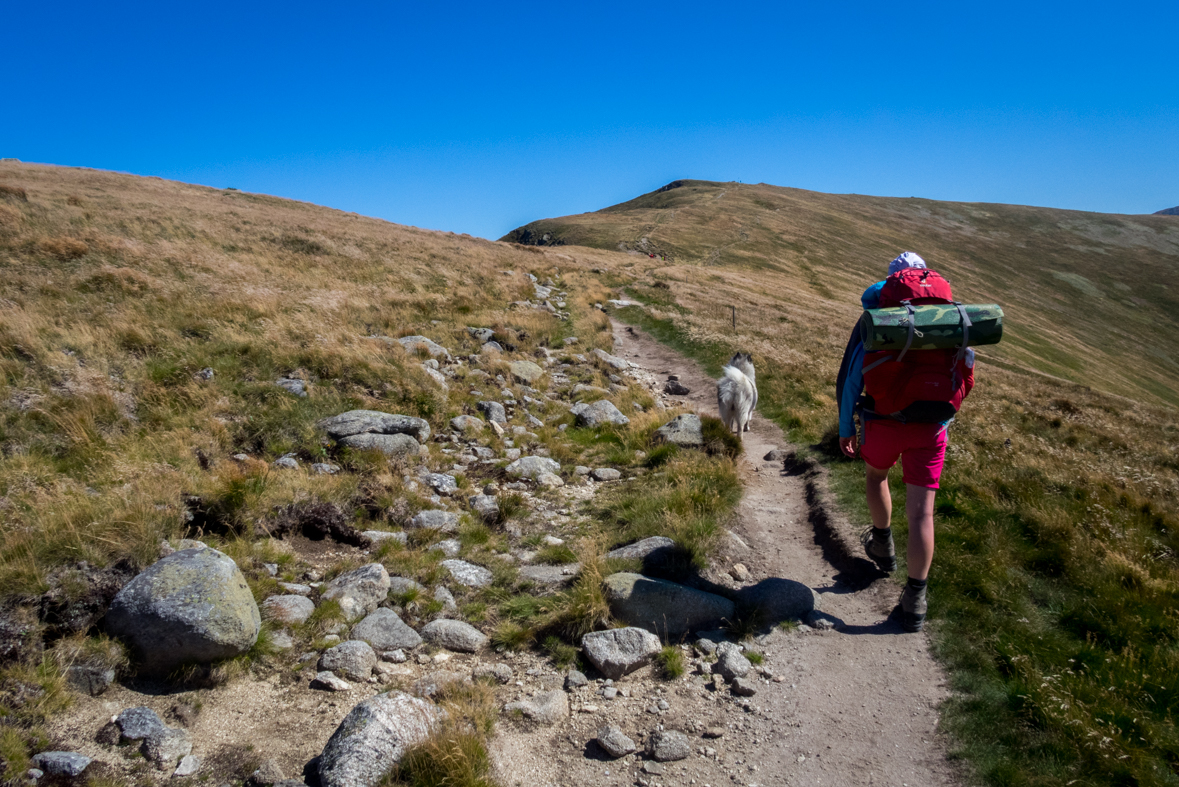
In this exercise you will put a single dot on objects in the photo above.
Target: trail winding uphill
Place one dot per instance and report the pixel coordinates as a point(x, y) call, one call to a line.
point(856, 704)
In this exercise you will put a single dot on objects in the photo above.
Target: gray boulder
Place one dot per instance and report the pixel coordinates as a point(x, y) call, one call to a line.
point(683, 430)
point(533, 467)
point(356, 422)
point(401, 586)
point(89, 678)
point(613, 361)
point(384, 630)
point(353, 659)
point(730, 662)
point(292, 385)
point(467, 424)
point(392, 445)
point(500, 673)
point(743, 687)
point(435, 519)
point(482, 335)
point(136, 724)
point(194, 606)
point(526, 371)
point(61, 763)
point(378, 537)
point(450, 547)
point(575, 679)
point(641, 550)
point(494, 411)
point(664, 607)
point(359, 591)
point(617, 652)
point(329, 681)
point(454, 635)
point(548, 707)
point(166, 747)
point(668, 746)
point(288, 609)
point(581, 389)
point(614, 742)
point(413, 344)
point(600, 412)
point(486, 506)
point(467, 573)
point(442, 483)
point(605, 474)
point(780, 599)
point(373, 737)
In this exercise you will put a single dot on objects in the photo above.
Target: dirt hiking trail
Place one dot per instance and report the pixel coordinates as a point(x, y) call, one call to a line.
point(855, 705)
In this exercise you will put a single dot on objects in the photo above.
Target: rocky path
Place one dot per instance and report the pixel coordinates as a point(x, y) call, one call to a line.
point(856, 704)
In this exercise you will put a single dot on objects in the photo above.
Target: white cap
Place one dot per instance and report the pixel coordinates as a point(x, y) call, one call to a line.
point(907, 259)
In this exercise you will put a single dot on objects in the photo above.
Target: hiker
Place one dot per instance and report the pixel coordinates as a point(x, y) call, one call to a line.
point(910, 399)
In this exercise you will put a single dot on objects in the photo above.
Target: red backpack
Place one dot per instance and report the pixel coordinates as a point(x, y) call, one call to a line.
point(916, 386)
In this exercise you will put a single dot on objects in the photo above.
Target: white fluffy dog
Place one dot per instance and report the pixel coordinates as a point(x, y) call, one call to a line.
point(736, 392)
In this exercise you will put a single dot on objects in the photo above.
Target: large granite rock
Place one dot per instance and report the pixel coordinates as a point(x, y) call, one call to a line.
point(391, 445)
point(493, 411)
point(413, 344)
point(353, 659)
point(356, 422)
point(654, 547)
point(61, 763)
point(599, 413)
point(779, 599)
point(533, 467)
point(548, 707)
point(359, 591)
point(526, 371)
point(373, 737)
point(194, 606)
point(613, 361)
point(436, 519)
point(683, 430)
point(288, 609)
point(384, 630)
point(664, 607)
point(617, 652)
point(454, 635)
point(468, 574)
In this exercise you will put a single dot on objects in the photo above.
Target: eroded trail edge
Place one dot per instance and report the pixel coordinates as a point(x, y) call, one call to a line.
point(854, 705)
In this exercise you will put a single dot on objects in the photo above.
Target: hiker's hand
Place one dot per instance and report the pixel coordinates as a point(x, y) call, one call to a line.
point(850, 445)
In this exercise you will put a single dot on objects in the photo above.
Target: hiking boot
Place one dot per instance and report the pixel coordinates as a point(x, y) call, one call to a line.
point(913, 607)
point(880, 550)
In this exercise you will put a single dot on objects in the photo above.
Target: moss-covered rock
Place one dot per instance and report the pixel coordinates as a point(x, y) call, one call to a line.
point(194, 606)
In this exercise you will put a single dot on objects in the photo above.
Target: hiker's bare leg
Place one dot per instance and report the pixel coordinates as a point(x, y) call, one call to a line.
point(879, 498)
point(919, 509)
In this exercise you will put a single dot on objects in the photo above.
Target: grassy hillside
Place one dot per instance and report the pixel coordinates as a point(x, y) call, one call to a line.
point(1091, 298)
point(1055, 588)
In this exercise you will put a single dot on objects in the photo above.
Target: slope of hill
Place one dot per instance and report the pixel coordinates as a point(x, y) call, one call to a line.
point(1168, 212)
point(1091, 298)
point(1056, 577)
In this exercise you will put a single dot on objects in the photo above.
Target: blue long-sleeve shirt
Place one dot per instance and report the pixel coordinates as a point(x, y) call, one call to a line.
point(853, 364)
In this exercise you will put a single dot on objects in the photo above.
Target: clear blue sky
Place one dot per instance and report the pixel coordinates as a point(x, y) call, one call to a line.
point(479, 117)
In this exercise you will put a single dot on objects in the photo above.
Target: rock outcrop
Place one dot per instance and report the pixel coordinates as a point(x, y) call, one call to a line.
point(373, 737)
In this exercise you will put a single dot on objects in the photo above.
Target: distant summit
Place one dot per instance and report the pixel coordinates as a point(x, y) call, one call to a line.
point(1168, 212)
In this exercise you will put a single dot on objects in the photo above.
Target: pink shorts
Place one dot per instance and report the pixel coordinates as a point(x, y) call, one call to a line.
point(920, 447)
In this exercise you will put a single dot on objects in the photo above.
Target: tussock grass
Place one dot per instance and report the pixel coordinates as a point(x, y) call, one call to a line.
point(671, 662)
point(455, 754)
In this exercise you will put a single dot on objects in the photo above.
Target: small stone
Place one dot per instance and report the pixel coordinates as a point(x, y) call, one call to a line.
point(501, 673)
point(395, 656)
point(581, 470)
point(609, 693)
point(663, 705)
point(167, 747)
point(436, 519)
point(605, 474)
point(547, 708)
point(549, 480)
point(353, 659)
point(291, 610)
point(668, 746)
point(271, 569)
point(454, 635)
point(90, 679)
point(493, 411)
point(327, 680)
point(730, 662)
point(743, 687)
point(295, 588)
point(714, 732)
point(291, 385)
point(614, 742)
point(441, 483)
point(574, 680)
point(286, 463)
point(136, 724)
point(739, 572)
point(653, 768)
point(189, 765)
point(61, 763)
point(467, 573)
point(324, 468)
